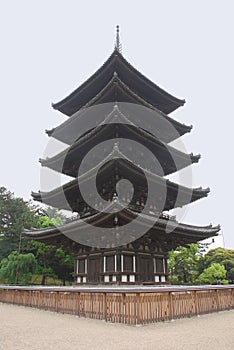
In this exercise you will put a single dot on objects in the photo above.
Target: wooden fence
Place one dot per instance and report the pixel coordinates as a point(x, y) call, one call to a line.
point(130, 305)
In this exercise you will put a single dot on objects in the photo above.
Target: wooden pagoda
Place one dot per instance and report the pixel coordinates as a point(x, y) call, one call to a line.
point(144, 258)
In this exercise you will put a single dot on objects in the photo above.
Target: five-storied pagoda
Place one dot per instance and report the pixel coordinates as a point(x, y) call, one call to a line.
point(118, 103)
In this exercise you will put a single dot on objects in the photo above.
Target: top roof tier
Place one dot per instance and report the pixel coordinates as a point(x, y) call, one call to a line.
point(116, 64)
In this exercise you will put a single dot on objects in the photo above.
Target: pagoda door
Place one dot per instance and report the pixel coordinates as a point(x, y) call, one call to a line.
point(94, 269)
point(146, 269)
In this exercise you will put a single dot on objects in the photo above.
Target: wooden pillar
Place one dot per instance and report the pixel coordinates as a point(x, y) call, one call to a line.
point(115, 262)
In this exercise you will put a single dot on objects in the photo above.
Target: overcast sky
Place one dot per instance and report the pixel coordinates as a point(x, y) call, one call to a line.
point(48, 48)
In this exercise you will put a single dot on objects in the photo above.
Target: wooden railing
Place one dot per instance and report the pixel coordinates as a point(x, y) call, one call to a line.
point(130, 305)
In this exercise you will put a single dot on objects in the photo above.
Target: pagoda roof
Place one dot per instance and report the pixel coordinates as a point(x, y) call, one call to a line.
point(160, 227)
point(136, 81)
point(117, 91)
point(69, 196)
point(170, 159)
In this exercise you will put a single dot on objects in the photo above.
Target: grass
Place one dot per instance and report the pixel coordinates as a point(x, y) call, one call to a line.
point(36, 280)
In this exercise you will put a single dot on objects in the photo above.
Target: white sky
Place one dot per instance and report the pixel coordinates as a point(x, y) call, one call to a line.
point(48, 48)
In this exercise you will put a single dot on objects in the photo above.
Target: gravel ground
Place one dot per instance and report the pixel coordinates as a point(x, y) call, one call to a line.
point(31, 329)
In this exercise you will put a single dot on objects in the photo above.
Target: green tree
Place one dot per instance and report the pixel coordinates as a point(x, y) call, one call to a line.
point(52, 261)
point(64, 265)
point(45, 221)
point(45, 255)
point(182, 264)
point(221, 256)
point(54, 213)
point(15, 214)
point(214, 274)
point(17, 268)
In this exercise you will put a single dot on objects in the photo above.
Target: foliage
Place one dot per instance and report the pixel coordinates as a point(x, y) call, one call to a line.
point(17, 268)
point(45, 256)
point(64, 265)
point(214, 274)
point(188, 265)
point(52, 262)
point(15, 214)
point(54, 213)
point(222, 256)
point(50, 281)
point(45, 221)
point(182, 264)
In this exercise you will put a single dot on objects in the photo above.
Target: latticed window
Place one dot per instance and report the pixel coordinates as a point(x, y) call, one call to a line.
point(128, 263)
point(81, 266)
point(110, 263)
point(159, 265)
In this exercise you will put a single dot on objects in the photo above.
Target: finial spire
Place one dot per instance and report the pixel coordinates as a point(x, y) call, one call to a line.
point(117, 42)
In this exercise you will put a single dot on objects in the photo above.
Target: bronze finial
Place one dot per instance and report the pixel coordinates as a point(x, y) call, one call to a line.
point(118, 46)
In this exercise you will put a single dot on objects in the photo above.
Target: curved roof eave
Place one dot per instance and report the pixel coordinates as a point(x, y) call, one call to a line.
point(126, 213)
point(81, 142)
point(114, 59)
point(58, 131)
point(105, 165)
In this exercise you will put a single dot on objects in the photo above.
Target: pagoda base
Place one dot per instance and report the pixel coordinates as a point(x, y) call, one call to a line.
point(120, 266)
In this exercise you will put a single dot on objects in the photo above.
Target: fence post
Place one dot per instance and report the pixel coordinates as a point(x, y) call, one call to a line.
point(104, 306)
point(196, 303)
point(78, 304)
point(217, 300)
point(171, 308)
point(138, 313)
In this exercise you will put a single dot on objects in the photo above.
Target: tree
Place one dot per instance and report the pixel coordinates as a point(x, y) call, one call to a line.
point(17, 268)
point(221, 256)
point(214, 274)
point(64, 265)
point(15, 214)
point(54, 213)
point(45, 255)
point(52, 261)
point(45, 221)
point(182, 264)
